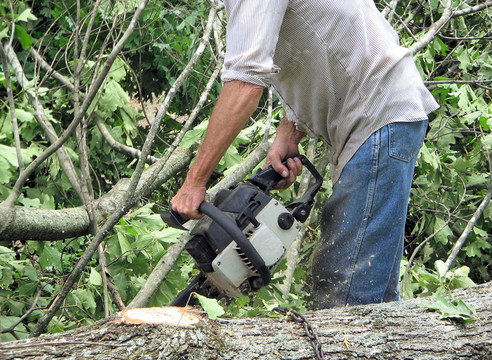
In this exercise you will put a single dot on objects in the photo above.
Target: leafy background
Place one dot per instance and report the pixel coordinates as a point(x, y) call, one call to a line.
point(452, 177)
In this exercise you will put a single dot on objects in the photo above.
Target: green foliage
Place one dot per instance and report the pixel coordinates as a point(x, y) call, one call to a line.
point(452, 174)
point(211, 306)
point(452, 309)
point(422, 281)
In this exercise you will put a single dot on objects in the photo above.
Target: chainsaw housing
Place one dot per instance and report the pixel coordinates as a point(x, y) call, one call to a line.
point(268, 226)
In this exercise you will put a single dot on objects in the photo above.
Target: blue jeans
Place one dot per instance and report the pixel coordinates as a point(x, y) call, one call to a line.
point(362, 225)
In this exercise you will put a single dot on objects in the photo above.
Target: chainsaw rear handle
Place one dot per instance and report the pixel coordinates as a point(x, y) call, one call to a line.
point(174, 219)
point(302, 206)
point(266, 179)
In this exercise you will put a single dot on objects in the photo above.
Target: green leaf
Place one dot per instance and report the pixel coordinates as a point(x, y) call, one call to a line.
point(50, 257)
point(442, 236)
point(85, 298)
point(5, 173)
point(114, 97)
point(441, 268)
point(429, 157)
point(31, 273)
point(118, 70)
point(4, 33)
point(194, 135)
point(26, 15)
point(24, 38)
point(95, 277)
point(124, 243)
point(475, 248)
point(9, 154)
point(211, 306)
point(24, 116)
point(8, 321)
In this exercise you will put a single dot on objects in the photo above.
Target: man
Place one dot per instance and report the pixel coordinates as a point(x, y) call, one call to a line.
point(342, 76)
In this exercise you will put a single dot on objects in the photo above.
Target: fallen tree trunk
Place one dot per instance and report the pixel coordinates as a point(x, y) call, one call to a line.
point(399, 330)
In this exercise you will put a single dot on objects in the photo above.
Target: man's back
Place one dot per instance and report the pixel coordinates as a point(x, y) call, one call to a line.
point(337, 68)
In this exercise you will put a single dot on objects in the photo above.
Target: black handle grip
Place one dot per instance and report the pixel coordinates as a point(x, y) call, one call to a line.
point(266, 179)
point(173, 218)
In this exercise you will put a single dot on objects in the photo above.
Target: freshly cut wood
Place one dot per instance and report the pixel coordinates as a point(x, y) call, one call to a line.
point(168, 315)
point(398, 330)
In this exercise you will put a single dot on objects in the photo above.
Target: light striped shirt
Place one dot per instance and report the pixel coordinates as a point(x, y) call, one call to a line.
point(336, 66)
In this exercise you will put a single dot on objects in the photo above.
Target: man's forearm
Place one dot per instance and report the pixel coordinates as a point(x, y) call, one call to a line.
point(237, 101)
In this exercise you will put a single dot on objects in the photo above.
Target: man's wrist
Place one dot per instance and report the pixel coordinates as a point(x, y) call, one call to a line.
point(288, 132)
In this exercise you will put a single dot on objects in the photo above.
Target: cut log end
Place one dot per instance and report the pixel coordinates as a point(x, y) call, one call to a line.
point(167, 315)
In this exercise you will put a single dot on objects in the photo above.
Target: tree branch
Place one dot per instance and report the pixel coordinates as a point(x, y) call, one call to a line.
point(434, 29)
point(10, 96)
point(117, 146)
point(472, 9)
point(49, 225)
point(469, 227)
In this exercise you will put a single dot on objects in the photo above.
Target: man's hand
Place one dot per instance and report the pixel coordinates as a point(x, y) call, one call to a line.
point(188, 200)
point(285, 145)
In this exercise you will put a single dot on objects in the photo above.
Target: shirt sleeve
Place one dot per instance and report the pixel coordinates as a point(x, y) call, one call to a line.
point(252, 32)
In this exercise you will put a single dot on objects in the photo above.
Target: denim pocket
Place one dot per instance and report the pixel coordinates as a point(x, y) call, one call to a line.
point(406, 138)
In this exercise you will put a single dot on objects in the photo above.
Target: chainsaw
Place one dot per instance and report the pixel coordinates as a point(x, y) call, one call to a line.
point(244, 235)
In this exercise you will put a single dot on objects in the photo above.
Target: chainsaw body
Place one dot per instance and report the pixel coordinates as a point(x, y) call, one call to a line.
point(245, 235)
point(257, 215)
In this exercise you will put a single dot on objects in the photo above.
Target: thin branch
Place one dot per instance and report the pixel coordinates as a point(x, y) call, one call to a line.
point(117, 146)
point(472, 9)
point(451, 81)
point(469, 227)
point(116, 295)
point(13, 116)
point(434, 29)
point(102, 263)
point(11, 329)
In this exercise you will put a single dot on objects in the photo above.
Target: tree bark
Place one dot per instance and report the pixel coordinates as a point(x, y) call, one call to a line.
point(398, 330)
